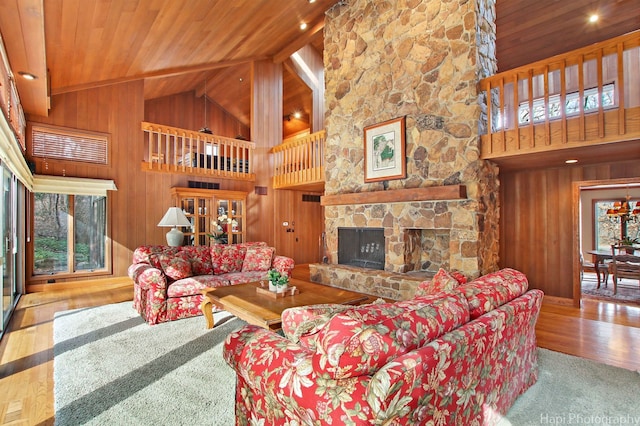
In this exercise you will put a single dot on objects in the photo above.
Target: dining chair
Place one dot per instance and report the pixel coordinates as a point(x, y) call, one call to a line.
point(624, 264)
point(586, 266)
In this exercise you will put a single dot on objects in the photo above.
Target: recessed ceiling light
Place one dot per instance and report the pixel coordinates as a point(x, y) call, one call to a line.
point(27, 75)
point(571, 161)
point(312, 1)
point(297, 115)
point(303, 26)
point(594, 18)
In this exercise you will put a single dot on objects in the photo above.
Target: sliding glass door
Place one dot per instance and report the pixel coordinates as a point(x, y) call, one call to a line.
point(8, 245)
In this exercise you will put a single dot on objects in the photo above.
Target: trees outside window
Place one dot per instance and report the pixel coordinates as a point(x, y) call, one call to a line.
point(609, 230)
point(69, 233)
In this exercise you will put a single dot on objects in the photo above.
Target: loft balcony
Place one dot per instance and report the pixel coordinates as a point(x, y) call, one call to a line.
point(174, 150)
point(585, 103)
point(299, 163)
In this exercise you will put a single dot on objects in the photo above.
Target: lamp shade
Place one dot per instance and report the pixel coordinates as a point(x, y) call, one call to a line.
point(174, 217)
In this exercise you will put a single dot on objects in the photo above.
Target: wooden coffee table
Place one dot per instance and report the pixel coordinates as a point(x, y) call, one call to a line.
point(246, 303)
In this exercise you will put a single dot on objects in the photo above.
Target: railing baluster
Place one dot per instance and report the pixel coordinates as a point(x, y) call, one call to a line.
point(532, 140)
point(600, 93)
point(563, 100)
point(620, 89)
point(582, 133)
point(516, 109)
point(547, 126)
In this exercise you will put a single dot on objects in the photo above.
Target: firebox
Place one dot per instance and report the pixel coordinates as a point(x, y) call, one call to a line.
point(363, 247)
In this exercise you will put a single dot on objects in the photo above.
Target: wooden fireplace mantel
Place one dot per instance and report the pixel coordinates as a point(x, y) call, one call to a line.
point(431, 193)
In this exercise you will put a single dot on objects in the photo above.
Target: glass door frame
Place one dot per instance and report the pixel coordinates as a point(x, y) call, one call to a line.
point(9, 244)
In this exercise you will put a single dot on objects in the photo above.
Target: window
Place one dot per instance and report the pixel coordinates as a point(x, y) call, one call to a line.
point(69, 144)
point(70, 233)
point(572, 104)
point(608, 230)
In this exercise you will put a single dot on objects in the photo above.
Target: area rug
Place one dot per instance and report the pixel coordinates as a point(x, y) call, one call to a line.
point(628, 290)
point(112, 368)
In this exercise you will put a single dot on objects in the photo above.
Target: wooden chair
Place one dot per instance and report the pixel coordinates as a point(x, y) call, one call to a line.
point(586, 266)
point(624, 265)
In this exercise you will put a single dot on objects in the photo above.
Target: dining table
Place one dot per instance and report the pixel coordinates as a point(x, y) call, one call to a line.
point(599, 261)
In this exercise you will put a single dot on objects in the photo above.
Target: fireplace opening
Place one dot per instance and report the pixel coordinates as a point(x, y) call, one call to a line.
point(426, 250)
point(363, 247)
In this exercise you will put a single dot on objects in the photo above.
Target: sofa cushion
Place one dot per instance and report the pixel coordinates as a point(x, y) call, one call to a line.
point(246, 277)
point(301, 324)
point(258, 259)
point(441, 281)
point(361, 340)
point(200, 257)
point(194, 285)
point(175, 266)
point(492, 290)
point(227, 258)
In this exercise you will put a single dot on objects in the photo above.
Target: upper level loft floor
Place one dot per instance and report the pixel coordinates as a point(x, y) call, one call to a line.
point(175, 150)
point(583, 105)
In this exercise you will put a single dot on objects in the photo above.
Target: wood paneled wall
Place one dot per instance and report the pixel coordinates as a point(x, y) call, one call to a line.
point(187, 111)
point(537, 221)
point(142, 197)
point(266, 126)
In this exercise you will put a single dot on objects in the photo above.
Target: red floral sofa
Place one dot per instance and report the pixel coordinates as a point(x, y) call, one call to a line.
point(168, 280)
point(455, 354)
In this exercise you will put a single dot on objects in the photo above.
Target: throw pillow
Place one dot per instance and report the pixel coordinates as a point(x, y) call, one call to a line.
point(258, 259)
point(489, 291)
point(361, 340)
point(175, 266)
point(441, 281)
point(200, 257)
point(227, 258)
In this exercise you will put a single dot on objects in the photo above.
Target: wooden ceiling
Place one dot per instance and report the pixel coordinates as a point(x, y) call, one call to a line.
point(177, 45)
point(530, 30)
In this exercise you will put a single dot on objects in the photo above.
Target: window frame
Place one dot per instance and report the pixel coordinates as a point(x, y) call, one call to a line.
point(70, 132)
point(71, 273)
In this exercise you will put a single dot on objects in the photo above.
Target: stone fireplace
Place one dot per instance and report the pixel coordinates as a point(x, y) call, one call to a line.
point(420, 59)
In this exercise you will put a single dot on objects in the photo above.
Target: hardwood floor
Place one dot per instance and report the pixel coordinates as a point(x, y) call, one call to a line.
point(603, 332)
point(26, 349)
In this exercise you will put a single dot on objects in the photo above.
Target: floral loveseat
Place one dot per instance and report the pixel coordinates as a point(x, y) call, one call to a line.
point(455, 354)
point(168, 280)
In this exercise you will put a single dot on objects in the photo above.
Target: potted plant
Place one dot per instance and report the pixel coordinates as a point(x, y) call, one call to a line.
point(277, 282)
point(628, 243)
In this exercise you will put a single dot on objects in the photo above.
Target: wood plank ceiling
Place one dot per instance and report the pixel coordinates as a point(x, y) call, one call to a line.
point(175, 45)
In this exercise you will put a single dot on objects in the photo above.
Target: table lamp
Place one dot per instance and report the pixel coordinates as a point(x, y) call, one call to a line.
point(174, 217)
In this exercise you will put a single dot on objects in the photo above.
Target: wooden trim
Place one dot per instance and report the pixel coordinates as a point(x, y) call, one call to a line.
point(562, 301)
point(575, 205)
point(449, 192)
point(68, 285)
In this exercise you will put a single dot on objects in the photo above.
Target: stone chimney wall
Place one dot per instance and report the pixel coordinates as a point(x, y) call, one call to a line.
point(420, 59)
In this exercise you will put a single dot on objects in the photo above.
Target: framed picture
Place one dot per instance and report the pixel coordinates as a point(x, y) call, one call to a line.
point(384, 151)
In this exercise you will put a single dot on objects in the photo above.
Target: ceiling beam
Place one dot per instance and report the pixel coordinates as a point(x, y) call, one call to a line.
point(167, 72)
point(299, 43)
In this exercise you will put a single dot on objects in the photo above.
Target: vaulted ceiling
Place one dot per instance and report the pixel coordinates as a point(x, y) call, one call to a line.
point(177, 45)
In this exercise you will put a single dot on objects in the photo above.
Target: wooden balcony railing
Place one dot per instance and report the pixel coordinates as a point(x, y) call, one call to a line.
point(299, 162)
point(174, 150)
point(585, 97)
